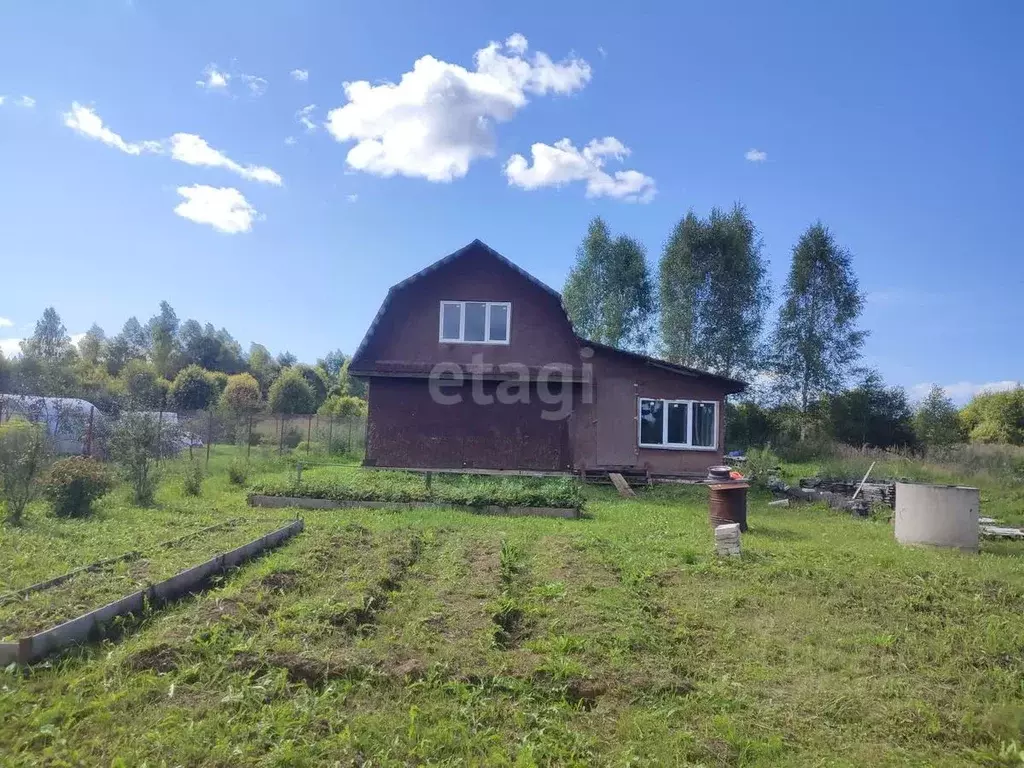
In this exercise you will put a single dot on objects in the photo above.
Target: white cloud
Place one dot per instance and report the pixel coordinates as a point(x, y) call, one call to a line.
point(6, 322)
point(184, 147)
point(352, 198)
point(962, 391)
point(289, 140)
point(85, 121)
point(603, 52)
point(563, 163)
point(301, 75)
point(517, 44)
point(76, 338)
point(26, 101)
point(193, 150)
point(756, 155)
point(2, 100)
point(10, 347)
point(439, 117)
point(257, 85)
point(214, 78)
point(223, 208)
point(303, 116)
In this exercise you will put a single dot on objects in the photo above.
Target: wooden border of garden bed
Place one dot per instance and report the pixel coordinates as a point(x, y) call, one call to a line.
point(304, 502)
point(89, 625)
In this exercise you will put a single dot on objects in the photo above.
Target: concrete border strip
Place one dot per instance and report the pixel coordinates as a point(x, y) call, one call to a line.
point(89, 625)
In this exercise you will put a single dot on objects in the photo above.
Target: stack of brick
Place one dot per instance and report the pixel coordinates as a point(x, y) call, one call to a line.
point(727, 539)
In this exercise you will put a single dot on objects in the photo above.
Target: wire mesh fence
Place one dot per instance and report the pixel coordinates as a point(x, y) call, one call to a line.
point(77, 427)
point(309, 436)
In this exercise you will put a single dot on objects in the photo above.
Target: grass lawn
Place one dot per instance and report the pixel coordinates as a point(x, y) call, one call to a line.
point(440, 636)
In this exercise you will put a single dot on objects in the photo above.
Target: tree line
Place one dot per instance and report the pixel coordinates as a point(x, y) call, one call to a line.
point(706, 306)
point(166, 364)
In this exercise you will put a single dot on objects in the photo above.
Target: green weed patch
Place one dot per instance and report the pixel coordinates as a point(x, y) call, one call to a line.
point(354, 484)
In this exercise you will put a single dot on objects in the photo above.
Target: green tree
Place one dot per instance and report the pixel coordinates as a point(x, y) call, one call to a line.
point(144, 388)
point(262, 365)
point(995, 417)
point(609, 294)
point(286, 359)
point(713, 291)
point(351, 385)
point(242, 396)
point(49, 342)
point(131, 343)
point(332, 363)
point(193, 389)
point(936, 421)
point(47, 357)
point(163, 338)
point(816, 340)
point(291, 393)
point(23, 454)
point(6, 374)
point(342, 405)
point(92, 347)
point(871, 414)
point(317, 380)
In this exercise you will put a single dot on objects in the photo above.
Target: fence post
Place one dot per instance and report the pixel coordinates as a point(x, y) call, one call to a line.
point(248, 440)
point(330, 435)
point(209, 436)
point(309, 432)
point(348, 444)
point(88, 433)
point(159, 430)
point(280, 439)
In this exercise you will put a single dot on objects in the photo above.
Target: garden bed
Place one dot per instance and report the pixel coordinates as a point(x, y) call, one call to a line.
point(347, 484)
point(25, 614)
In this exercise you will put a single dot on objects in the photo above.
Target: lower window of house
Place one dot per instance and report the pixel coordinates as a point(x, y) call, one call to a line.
point(677, 423)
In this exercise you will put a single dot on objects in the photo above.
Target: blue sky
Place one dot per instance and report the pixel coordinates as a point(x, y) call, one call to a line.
point(898, 125)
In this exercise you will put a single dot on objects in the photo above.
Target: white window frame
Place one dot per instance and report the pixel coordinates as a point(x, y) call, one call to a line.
point(665, 445)
point(487, 322)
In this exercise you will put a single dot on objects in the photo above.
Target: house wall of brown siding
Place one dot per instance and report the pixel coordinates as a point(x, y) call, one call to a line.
point(605, 433)
point(408, 428)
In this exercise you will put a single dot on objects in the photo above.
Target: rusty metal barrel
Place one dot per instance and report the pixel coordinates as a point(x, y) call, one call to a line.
point(727, 503)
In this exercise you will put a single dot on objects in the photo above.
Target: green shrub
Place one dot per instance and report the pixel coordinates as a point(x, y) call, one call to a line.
point(761, 464)
point(238, 472)
point(23, 454)
point(192, 485)
point(74, 483)
point(291, 439)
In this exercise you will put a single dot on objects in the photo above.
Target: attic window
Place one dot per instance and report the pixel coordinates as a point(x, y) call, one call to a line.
point(475, 322)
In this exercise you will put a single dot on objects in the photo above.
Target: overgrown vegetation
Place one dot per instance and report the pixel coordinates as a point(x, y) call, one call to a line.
point(192, 480)
point(351, 484)
point(238, 472)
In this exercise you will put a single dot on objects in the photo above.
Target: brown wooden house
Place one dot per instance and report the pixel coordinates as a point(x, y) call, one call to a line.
point(473, 364)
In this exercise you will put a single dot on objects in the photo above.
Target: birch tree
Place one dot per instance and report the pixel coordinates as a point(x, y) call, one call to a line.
point(816, 340)
point(713, 292)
